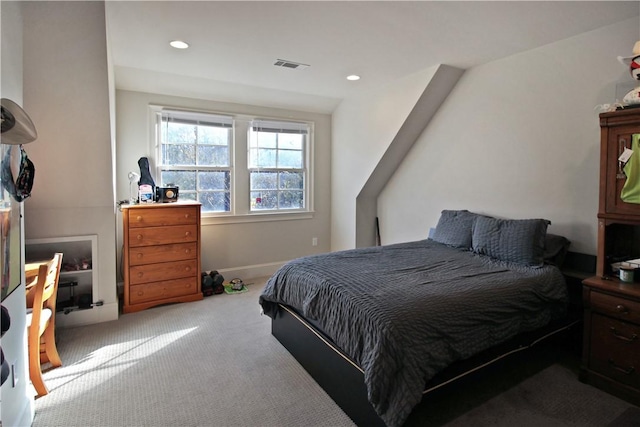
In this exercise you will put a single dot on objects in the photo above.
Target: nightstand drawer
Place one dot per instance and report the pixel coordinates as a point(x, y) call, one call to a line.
point(162, 253)
point(162, 290)
point(615, 349)
point(162, 271)
point(161, 217)
point(620, 308)
point(163, 235)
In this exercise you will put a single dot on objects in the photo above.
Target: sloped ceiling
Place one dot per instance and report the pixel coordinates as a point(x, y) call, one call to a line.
point(234, 44)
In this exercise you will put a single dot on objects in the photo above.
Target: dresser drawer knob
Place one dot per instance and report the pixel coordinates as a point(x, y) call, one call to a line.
point(627, 371)
point(139, 218)
point(622, 309)
point(140, 274)
point(187, 268)
point(622, 337)
point(187, 234)
point(139, 255)
point(139, 236)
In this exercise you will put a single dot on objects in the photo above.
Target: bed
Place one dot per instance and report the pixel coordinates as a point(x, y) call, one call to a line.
point(396, 317)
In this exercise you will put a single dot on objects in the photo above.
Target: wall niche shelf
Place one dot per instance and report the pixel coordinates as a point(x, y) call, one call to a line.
point(78, 285)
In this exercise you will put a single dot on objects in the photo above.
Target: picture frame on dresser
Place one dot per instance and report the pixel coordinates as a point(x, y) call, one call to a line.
point(611, 341)
point(161, 254)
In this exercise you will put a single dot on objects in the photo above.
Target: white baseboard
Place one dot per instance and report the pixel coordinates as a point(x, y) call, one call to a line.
point(103, 313)
point(248, 272)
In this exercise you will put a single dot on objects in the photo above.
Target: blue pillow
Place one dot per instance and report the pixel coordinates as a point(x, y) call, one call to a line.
point(455, 228)
point(520, 241)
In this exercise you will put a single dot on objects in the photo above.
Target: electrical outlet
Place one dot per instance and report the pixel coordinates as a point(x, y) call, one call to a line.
point(314, 241)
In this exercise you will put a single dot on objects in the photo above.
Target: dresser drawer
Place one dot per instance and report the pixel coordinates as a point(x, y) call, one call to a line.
point(615, 349)
point(163, 271)
point(162, 253)
point(145, 217)
point(620, 308)
point(162, 290)
point(163, 235)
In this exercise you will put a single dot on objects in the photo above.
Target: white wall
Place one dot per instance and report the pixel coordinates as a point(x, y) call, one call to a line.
point(16, 407)
point(66, 91)
point(517, 138)
point(239, 249)
point(363, 128)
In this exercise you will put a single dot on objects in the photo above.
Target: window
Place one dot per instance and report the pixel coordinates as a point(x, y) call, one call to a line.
point(235, 165)
point(195, 153)
point(277, 165)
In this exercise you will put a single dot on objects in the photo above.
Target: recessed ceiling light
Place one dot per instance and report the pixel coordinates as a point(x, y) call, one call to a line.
point(179, 44)
point(353, 77)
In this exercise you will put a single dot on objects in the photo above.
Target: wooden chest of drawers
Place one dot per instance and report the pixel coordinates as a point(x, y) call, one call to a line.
point(161, 254)
point(611, 354)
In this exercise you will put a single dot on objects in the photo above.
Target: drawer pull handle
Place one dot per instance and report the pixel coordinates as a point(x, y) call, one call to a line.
point(140, 274)
point(622, 337)
point(627, 371)
point(187, 234)
point(622, 309)
point(139, 237)
point(139, 218)
point(139, 255)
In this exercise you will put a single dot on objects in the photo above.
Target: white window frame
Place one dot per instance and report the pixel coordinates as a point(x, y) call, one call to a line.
point(240, 211)
point(195, 118)
point(282, 127)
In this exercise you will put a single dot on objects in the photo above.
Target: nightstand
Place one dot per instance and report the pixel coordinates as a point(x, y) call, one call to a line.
point(611, 345)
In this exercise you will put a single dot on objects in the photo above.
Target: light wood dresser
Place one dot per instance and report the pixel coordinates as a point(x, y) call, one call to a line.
point(161, 254)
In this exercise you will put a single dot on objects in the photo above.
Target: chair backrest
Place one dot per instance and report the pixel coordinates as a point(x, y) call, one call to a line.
point(46, 290)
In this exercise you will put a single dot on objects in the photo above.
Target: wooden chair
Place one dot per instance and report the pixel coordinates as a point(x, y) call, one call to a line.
point(41, 323)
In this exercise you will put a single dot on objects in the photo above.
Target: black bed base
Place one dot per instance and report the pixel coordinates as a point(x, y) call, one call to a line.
point(340, 378)
point(343, 380)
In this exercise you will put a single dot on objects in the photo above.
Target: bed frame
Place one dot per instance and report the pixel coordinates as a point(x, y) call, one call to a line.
point(343, 380)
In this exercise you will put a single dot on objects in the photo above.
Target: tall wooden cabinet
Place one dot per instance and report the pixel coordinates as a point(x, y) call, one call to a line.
point(161, 254)
point(611, 345)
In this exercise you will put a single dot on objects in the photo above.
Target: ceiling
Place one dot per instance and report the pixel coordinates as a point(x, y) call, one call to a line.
point(234, 44)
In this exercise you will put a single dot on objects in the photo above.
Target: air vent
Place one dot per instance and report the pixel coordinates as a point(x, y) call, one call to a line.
point(290, 64)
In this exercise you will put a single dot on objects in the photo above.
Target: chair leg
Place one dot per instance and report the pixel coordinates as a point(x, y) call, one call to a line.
point(50, 349)
point(35, 373)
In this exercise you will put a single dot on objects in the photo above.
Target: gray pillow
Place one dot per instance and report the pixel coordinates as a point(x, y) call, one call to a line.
point(515, 240)
point(555, 249)
point(455, 228)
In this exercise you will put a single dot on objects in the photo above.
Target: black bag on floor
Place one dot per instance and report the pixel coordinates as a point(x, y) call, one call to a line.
point(212, 283)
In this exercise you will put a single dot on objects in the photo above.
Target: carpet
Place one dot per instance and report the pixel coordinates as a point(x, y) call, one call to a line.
point(629, 418)
point(215, 363)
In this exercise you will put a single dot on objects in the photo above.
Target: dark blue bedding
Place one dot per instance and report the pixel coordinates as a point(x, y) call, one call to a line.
point(404, 312)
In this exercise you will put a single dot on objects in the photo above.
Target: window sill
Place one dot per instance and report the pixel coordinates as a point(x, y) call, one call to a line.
point(255, 217)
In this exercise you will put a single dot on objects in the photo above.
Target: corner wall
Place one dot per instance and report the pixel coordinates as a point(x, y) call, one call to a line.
point(517, 138)
point(439, 87)
point(363, 127)
point(66, 82)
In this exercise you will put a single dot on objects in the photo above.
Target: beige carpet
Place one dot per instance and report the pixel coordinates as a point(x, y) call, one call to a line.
point(215, 363)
